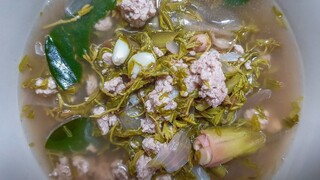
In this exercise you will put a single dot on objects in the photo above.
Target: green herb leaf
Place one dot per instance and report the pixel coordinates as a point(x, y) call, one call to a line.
point(28, 112)
point(63, 67)
point(24, 64)
point(74, 135)
point(235, 2)
point(69, 42)
point(294, 115)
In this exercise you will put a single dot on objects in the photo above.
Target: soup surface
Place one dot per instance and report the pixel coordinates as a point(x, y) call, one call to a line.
point(165, 90)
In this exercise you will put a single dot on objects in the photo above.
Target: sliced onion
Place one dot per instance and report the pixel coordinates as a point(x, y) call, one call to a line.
point(255, 99)
point(200, 173)
point(258, 97)
point(221, 43)
point(173, 47)
point(175, 155)
point(202, 26)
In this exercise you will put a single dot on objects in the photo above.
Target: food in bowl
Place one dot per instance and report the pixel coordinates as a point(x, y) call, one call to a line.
point(165, 90)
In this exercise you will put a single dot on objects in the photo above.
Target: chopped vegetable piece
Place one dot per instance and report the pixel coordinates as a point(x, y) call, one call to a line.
point(175, 155)
point(28, 112)
point(216, 146)
point(24, 64)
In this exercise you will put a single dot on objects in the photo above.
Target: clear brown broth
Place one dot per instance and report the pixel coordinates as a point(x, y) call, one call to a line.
point(285, 60)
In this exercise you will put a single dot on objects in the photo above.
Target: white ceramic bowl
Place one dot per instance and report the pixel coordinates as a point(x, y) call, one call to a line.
point(16, 161)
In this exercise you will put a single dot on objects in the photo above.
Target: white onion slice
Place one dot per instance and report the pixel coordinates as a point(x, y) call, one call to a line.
point(258, 97)
point(255, 99)
point(175, 155)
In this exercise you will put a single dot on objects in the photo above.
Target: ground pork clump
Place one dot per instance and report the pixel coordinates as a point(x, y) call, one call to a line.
point(160, 96)
point(81, 164)
point(92, 84)
point(62, 170)
point(238, 49)
point(248, 114)
point(203, 41)
point(207, 76)
point(151, 145)
point(137, 12)
point(106, 121)
point(179, 64)
point(143, 171)
point(114, 86)
point(148, 126)
point(267, 123)
point(107, 58)
point(104, 24)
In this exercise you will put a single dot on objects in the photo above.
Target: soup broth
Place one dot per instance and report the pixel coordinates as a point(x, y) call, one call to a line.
point(40, 120)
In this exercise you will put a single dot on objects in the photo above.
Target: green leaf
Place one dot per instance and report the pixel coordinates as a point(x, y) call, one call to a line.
point(235, 2)
point(67, 43)
point(63, 67)
point(294, 115)
point(74, 136)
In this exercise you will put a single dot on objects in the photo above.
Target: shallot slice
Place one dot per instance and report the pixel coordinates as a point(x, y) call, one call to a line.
point(175, 155)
